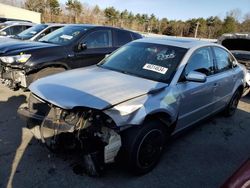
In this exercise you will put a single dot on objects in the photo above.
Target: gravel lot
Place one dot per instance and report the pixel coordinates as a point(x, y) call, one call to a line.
point(201, 157)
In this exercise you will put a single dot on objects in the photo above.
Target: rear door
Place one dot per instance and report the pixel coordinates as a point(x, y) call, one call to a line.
point(196, 98)
point(98, 44)
point(225, 75)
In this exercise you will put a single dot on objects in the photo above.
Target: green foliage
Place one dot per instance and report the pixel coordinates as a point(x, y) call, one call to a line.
point(75, 8)
point(229, 25)
point(54, 6)
point(35, 5)
point(111, 14)
point(212, 27)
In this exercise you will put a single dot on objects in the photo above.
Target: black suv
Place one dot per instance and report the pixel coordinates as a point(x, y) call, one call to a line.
point(69, 47)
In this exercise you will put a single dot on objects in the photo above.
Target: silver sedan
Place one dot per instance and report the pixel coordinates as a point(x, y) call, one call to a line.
point(127, 106)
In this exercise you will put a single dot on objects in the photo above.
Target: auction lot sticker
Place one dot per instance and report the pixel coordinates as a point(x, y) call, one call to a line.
point(155, 68)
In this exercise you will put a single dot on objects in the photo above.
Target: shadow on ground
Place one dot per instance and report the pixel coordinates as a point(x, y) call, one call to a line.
point(202, 157)
point(10, 137)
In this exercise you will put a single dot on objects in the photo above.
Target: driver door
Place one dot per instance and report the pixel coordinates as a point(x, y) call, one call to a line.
point(196, 100)
point(98, 44)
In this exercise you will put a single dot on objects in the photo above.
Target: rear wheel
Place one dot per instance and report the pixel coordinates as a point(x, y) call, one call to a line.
point(232, 106)
point(142, 147)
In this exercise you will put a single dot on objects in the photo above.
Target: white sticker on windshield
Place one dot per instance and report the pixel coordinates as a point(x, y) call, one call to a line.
point(66, 37)
point(155, 68)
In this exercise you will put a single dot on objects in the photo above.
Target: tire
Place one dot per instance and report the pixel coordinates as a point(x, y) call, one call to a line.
point(232, 106)
point(142, 147)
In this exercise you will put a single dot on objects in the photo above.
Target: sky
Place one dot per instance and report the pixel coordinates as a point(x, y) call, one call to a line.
point(176, 9)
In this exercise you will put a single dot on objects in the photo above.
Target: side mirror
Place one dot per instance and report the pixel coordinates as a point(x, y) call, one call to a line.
point(235, 64)
point(81, 46)
point(3, 33)
point(195, 76)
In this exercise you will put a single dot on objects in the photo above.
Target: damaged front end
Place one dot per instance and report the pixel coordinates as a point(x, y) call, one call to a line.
point(90, 130)
point(12, 78)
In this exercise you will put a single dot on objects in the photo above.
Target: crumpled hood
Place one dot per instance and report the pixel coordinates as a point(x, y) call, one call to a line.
point(11, 46)
point(92, 87)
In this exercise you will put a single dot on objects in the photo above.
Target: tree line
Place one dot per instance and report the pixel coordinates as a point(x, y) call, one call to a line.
point(73, 11)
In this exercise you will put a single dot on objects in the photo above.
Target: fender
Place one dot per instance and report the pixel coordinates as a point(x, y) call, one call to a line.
point(37, 67)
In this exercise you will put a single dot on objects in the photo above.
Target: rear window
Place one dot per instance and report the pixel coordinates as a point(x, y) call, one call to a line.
point(122, 37)
point(136, 36)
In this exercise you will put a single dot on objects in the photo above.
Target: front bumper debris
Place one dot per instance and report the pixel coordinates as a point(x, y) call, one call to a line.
point(13, 78)
point(98, 144)
point(29, 117)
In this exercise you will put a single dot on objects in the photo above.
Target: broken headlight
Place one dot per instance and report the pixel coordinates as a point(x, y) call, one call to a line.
point(22, 58)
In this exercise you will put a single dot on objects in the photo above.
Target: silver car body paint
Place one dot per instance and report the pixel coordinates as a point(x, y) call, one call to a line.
point(128, 99)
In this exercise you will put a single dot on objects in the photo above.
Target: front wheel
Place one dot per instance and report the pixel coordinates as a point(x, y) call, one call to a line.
point(143, 146)
point(232, 106)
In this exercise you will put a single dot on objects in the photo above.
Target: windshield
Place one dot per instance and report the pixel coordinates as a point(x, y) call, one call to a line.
point(32, 31)
point(64, 35)
point(151, 61)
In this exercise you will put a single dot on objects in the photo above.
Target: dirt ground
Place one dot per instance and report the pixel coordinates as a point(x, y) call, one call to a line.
point(201, 157)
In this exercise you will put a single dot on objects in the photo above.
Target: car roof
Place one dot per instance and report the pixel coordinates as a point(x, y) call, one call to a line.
point(98, 26)
point(2, 20)
point(17, 23)
point(173, 41)
point(54, 24)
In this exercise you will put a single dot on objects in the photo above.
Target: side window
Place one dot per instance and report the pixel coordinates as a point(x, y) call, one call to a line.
point(200, 61)
point(26, 27)
point(53, 29)
point(16, 29)
point(136, 36)
point(223, 58)
point(8, 31)
point(99, 39)
point(122, 37)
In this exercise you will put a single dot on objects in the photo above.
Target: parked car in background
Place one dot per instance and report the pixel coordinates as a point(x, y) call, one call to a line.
point(69, 47)
point(239, 45)
point(133, 100)
point(37, 31)
point(12, 28)
point(12, 19)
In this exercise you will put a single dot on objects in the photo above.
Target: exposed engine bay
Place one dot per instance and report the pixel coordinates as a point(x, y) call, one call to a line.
point(89, 130)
